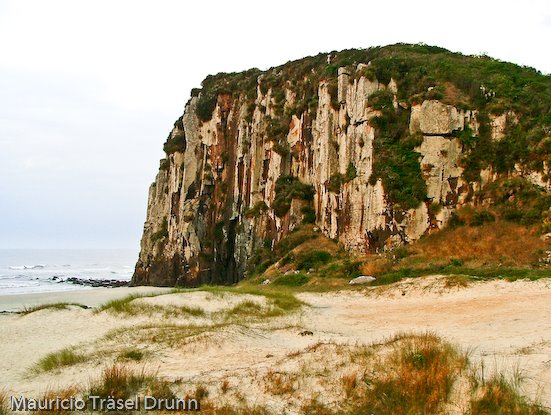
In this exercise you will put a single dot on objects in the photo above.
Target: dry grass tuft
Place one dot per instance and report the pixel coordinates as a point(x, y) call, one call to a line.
point(3, 402)
point(225, 386)
point(457, 281)
point(500, 396)
point(242, 409)
point(349, 383)
point(314, 406)
point(52, 394)
point(279, 383)
point(120, 382)
point(201, 392)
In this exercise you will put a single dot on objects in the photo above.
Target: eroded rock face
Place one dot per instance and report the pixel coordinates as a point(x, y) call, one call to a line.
point(211, 206)
point(435, 118)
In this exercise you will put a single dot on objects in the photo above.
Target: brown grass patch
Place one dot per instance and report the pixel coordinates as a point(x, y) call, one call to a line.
point(375, 265)
point(225, 386)
point(415, 377)
point(61, 394)
point(506, 243)
point(277, 383)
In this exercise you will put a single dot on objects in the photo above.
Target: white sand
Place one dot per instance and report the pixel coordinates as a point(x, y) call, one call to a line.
point(92, 297)
point(504, 323)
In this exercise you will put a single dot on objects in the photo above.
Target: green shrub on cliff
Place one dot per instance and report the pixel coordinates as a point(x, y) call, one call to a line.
point(518, 200)
point(161, 233)
point(395, 161)
point(336, 180)
point(289, 188)
point(256, 210)
point(175, 142)
point(205, 105)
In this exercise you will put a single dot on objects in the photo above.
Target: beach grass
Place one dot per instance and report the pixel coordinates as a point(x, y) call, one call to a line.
point(121, 382)
point(282, 300)
point(500, 394)
point(408, 373)
point(3, 402)
point(51, 306)
point(57, 360)
point(132, 354)
point(129, 306)
point(124, 305)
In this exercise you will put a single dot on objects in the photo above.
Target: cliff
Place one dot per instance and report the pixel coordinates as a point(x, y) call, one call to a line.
point(377, 147)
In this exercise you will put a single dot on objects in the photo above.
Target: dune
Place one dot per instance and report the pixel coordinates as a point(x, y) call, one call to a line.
point(220, 338)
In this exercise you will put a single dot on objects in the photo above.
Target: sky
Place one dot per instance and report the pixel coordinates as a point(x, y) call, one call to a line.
point(89, 90)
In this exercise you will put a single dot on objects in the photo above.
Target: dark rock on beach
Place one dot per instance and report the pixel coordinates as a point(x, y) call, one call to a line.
point(93, 282)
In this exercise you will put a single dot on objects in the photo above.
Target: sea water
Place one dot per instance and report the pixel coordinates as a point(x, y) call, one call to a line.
point(44, 270)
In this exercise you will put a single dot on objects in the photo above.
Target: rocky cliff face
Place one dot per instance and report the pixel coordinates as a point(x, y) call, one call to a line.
point(247, 164)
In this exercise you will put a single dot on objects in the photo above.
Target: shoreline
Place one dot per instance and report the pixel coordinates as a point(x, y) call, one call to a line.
point(90, 297)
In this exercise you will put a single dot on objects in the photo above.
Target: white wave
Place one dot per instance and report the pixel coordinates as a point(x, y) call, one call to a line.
point(21, 267)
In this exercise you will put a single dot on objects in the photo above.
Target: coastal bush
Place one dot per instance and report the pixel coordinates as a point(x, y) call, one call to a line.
point(282, 148)
point(517, 200)
point(277, 128)
point(292, 280)
point(164, 164)
point(340, 269)
point(482, 217)
point(312, 259)
point(308, 214)
point(398, 167)
point(381, 100)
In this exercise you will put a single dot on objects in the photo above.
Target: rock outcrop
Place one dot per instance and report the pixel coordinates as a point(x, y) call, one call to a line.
point(231, 181)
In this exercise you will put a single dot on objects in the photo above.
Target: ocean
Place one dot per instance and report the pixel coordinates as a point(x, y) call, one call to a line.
point(44, 270)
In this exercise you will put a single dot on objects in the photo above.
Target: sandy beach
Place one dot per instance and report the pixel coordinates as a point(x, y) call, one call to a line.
point(92, 297)
point(504, 323)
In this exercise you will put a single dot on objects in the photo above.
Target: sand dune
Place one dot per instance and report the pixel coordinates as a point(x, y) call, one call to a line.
point(504, 323)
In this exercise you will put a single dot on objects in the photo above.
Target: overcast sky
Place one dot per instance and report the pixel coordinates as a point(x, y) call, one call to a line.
point(90, 89)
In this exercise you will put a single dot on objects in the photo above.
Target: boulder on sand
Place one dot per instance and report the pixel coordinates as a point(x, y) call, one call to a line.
point(362, 279)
